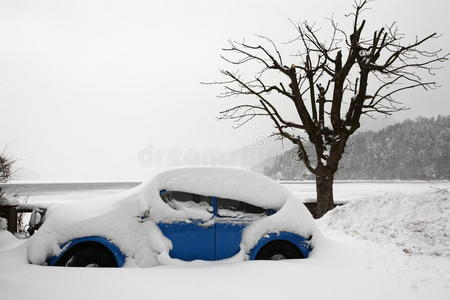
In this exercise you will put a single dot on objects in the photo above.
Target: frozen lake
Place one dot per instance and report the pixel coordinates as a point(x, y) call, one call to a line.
point(344, 191)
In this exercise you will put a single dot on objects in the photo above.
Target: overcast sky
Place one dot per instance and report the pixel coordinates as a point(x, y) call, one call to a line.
point(87, 86)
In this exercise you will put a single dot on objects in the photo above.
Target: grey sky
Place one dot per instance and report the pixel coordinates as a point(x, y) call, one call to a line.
point(85, 86)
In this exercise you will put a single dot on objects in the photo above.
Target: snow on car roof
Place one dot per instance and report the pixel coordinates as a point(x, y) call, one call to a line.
point(231, 183)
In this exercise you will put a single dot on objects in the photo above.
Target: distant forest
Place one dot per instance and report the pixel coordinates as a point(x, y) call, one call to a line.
point(413, 149)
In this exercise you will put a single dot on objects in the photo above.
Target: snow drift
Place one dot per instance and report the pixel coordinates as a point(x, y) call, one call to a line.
point(117, 218)
point(417, 223)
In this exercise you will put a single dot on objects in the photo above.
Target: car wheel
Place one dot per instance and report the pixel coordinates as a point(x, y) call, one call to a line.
point(278, 250)
point(88, 256)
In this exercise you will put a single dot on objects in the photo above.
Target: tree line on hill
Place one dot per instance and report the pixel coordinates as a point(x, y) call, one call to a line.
point(413, 149)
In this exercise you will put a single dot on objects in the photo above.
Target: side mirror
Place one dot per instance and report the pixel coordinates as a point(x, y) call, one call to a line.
point(36, 220)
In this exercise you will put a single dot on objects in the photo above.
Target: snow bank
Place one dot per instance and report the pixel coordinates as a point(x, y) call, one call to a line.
point(418, 224)
point(8, 241)
point(6, 237)
point(118, 217)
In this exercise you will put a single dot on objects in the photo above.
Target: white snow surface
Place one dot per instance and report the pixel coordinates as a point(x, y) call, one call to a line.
point(343, 265)
point(416, 224)
point(117, 217)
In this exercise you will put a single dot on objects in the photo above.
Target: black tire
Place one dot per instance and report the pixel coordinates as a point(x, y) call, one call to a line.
point(278, 250)
point(88, 256)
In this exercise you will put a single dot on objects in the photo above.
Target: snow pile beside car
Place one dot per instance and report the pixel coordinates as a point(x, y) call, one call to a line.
point(418, 224)
point(129, 219)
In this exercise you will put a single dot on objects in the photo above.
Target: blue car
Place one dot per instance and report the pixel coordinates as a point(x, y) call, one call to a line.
point(212, 228)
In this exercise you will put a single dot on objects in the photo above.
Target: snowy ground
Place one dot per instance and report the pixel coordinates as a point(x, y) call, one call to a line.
point(361, 256)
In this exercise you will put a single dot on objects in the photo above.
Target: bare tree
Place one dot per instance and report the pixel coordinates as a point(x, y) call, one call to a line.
point(327, 86)
point(6, 163)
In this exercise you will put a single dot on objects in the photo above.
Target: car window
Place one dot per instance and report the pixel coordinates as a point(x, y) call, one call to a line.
point(193, 205)
point(229, 208)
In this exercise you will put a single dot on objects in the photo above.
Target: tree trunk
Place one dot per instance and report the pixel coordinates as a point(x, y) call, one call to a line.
point(324, 191)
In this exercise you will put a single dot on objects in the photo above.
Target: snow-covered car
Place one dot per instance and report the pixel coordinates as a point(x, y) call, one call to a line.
point(181, 214)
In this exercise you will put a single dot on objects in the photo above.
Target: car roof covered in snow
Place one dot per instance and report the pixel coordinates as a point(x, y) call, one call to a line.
point(230, 183)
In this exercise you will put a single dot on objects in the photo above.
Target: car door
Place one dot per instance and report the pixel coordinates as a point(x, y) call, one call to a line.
point(231, 218)
point(193, 238)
